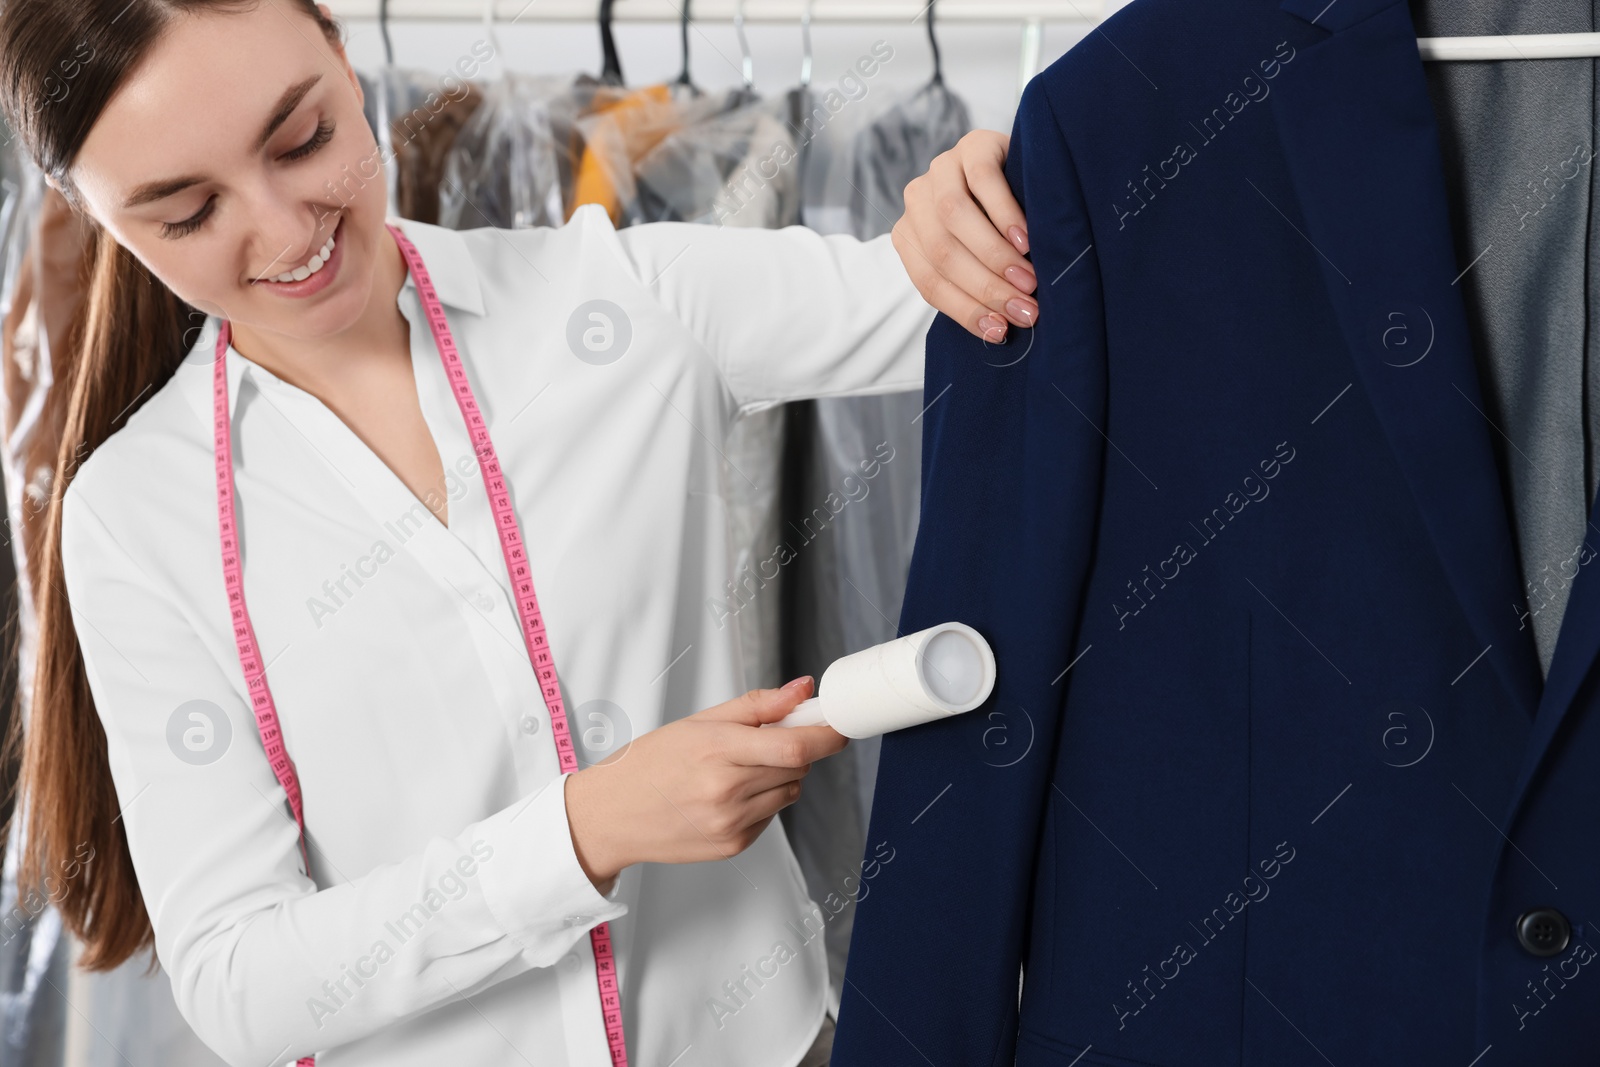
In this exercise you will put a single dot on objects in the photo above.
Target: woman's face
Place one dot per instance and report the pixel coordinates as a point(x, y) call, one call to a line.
point(229, 156)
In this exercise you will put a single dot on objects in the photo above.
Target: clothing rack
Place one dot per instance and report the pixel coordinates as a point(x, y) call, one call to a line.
point(1030, 14)
point(785, 11)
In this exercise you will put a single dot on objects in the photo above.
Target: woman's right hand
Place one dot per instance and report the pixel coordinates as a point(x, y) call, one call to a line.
point(701, 788)
point(963, 239)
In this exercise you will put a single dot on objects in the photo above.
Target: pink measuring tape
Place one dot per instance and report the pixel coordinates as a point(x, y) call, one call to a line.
point(511, 546)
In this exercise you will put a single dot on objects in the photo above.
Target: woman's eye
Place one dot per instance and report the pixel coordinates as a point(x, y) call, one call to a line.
point(323, 134)
point(190, 224)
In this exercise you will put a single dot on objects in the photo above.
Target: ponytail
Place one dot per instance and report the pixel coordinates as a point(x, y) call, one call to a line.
point(76, 850)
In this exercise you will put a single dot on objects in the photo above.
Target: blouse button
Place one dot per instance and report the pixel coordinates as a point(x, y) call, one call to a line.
point(485, 602)
point(530, 725)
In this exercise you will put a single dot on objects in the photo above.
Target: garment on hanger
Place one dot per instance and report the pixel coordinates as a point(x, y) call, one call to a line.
point(1232, 521)
point(620, 132)
point(515, 119)
point(846, 584)
point(724, 167)
point(417, 124)
point(897, 148)
point(503, 169)
point(34, 951)
point(1518, 138)
point(734, 168)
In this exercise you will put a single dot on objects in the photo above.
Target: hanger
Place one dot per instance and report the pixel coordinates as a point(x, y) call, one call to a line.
point(747, 65)
point(1032, 51)
point(383, 31)
point(938, 63)
point(488, 32)
point(1512, 46)
point(805, 37)
point(611, 74)
point(933, 43)
point(683, 30)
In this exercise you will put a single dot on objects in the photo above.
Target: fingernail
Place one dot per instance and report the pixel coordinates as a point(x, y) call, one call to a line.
point(994, 329)
point(1019, 237)
point(799, 683)
point(1024, 280)
point(1023, 310)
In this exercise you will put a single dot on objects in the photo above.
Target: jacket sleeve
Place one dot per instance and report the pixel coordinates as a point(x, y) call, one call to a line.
point(265, 965)
point(787, 314)
point(1011, 487)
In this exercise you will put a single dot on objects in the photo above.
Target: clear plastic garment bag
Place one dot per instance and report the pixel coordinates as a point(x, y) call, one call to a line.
point(47, 251)
point(846, 584)
point(33, 951)
point(503, 168)
point(725, 166)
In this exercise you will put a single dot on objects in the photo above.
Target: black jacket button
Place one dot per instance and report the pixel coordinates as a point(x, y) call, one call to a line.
point(1543, 931)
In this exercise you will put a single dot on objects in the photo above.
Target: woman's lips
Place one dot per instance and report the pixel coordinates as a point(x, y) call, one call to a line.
point(312, 283)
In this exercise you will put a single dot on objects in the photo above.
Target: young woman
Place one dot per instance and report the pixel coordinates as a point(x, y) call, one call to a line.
point(310, 449)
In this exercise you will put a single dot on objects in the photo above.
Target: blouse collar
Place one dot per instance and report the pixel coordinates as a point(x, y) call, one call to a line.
point(450, 266)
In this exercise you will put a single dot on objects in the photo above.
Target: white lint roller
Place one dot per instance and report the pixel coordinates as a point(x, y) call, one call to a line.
point(941, 671)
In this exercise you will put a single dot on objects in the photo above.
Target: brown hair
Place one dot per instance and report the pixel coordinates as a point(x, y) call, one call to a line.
point(60, 64)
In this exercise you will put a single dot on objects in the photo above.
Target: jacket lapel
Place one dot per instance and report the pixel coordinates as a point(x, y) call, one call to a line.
point(1357, 127)
point(1576, 648)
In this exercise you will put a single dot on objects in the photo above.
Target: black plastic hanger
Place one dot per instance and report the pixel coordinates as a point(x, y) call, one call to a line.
point(383, 31)
point(933, 42)
point(683, 30)
point(612, 72)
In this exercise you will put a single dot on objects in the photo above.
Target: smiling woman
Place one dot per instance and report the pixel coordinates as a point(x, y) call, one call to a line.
point(137, 330)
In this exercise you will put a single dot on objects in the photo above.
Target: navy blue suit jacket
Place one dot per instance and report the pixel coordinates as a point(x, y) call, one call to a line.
point(1270, 772)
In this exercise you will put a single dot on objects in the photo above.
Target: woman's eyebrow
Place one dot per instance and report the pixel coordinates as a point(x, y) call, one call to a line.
point(158, 190)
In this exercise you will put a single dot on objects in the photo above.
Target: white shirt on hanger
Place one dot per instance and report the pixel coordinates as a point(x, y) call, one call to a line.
point(449, 920)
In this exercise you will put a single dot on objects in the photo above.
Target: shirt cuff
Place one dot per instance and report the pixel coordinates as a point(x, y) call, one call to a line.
point(534, 887)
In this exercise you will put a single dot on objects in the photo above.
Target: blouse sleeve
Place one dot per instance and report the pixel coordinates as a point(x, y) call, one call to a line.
point(787, 314)
point(265, 966)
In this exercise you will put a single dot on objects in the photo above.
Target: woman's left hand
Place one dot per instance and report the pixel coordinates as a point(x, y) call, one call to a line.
point(963, 239)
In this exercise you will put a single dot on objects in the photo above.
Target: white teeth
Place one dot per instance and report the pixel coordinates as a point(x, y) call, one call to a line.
point(316, 263)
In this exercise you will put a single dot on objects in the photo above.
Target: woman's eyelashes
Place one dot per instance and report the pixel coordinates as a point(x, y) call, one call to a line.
point(190, 224)
point(319, 138)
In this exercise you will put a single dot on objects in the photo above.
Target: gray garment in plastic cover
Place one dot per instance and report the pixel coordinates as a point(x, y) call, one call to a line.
point(505, 169)
point(736, 168)
point(725, 169)
point(846, 584)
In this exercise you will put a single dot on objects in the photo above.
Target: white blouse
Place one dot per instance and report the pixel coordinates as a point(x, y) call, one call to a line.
point(448, 917)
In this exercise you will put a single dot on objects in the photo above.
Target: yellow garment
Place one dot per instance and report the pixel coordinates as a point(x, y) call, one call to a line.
point(617, 134)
